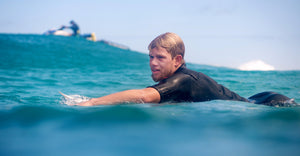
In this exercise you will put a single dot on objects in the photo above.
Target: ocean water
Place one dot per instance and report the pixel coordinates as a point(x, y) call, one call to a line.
point(35, 121)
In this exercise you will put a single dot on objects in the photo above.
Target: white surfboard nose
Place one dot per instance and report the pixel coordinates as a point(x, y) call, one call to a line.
point(73, 99)
point(66, 96)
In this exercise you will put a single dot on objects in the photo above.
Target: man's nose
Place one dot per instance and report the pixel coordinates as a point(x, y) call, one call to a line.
point(153, 61)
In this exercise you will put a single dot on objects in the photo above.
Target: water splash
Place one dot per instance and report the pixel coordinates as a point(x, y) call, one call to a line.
point(256, 65)
point(287, 103)
point(73, 99)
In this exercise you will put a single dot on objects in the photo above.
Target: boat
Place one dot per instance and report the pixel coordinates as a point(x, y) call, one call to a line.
point(90, 37)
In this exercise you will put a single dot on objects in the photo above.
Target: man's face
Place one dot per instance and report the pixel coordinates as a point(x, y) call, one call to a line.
point(161, 63)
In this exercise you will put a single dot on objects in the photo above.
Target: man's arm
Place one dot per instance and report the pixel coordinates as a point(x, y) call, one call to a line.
point(147, 95)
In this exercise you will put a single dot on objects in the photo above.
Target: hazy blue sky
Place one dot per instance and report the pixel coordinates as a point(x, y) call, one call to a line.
point(216, 32)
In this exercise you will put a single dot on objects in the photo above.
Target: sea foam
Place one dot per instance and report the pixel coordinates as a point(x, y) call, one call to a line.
point(256, 65)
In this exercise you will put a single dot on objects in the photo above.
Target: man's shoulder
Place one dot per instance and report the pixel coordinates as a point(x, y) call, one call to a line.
point(191, 73)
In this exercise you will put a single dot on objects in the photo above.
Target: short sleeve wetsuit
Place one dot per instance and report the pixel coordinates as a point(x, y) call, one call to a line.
point(186, 85)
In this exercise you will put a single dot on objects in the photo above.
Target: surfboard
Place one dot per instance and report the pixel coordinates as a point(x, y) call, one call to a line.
point(73, 99)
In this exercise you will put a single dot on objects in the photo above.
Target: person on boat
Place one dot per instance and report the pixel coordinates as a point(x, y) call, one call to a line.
point(177, 83)
point(74, 27)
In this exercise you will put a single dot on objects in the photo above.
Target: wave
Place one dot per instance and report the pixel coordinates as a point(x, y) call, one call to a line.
point(56, 52)
point(73, 116)
point(256, 65)
point(193, 114)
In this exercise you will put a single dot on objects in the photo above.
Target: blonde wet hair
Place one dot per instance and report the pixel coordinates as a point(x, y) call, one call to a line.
point(171, 42)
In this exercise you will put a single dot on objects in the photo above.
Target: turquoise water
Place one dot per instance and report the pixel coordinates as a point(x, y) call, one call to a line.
point(33, 120)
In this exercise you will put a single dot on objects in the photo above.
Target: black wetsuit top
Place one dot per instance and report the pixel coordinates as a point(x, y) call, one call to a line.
point(190, 86)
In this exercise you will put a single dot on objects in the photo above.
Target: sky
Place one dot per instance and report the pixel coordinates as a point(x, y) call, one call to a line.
point(225, 33)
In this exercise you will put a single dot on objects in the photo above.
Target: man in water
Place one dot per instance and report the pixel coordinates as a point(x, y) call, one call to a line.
point(74, 27)
point(176, 83)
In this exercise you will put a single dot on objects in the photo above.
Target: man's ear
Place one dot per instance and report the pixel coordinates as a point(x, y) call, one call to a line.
point(178, 60)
